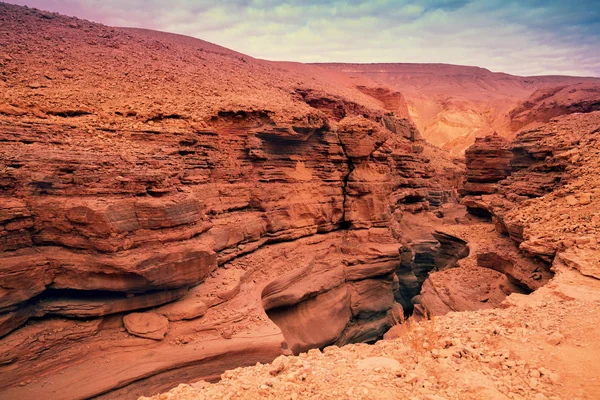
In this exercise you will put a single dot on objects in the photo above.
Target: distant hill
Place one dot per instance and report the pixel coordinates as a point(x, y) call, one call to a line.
point(453, 104)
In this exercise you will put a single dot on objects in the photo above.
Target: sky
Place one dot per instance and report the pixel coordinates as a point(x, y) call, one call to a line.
point(528, 37)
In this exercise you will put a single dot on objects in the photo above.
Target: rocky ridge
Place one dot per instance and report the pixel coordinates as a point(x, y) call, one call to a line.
point(452, 105)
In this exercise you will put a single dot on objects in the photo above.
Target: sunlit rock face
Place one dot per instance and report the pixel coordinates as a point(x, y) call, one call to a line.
point(172, 209)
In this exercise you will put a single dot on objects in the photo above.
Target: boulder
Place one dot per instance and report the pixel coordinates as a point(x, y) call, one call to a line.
point(315, 322)
point(147, 325)
point(184, 309)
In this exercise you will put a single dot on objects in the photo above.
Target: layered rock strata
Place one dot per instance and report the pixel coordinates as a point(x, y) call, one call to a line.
point(545, 204)
point(191, 209)
point(152, 238)
point(554, 161)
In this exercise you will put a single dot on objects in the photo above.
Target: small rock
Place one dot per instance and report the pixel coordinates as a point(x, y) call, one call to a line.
point(278, 366)
point(583, 240)
point(227, 333)
point(571, 200)
point(533, 383)
point(373, 363)
point(555, 338)
point(553, 377)
point(585, 199)
point(475, 337)
point(187, 308)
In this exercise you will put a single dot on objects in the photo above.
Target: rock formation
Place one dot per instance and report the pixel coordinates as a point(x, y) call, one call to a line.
point(543, 202)
point(197, 232)
point(545, 163)
point(537, 190)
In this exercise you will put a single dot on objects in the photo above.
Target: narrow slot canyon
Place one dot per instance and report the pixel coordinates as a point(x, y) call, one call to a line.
point(426, 281)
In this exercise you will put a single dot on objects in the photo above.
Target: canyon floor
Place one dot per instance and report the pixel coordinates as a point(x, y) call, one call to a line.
point(175, 212)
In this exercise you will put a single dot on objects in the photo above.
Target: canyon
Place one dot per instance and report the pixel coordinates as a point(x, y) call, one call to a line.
point(172, 209)
point(451, 105)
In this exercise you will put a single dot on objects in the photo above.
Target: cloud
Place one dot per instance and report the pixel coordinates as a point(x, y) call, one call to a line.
point(528, 37)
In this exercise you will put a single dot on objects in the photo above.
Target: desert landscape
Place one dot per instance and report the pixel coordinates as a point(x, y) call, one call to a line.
point(183, 221)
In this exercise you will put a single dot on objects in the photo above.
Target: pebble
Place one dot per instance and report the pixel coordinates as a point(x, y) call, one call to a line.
point(379, 363)
point(555, 338)
point(585, 199)
point(534, 373)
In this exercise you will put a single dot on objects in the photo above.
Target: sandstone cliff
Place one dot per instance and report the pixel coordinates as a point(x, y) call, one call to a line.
point(548, 175)
point(171, 209)
point(541, 193)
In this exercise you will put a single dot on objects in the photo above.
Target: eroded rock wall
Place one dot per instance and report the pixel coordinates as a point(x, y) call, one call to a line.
point(162, 196)
point(550, 178)
point(99, 224)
